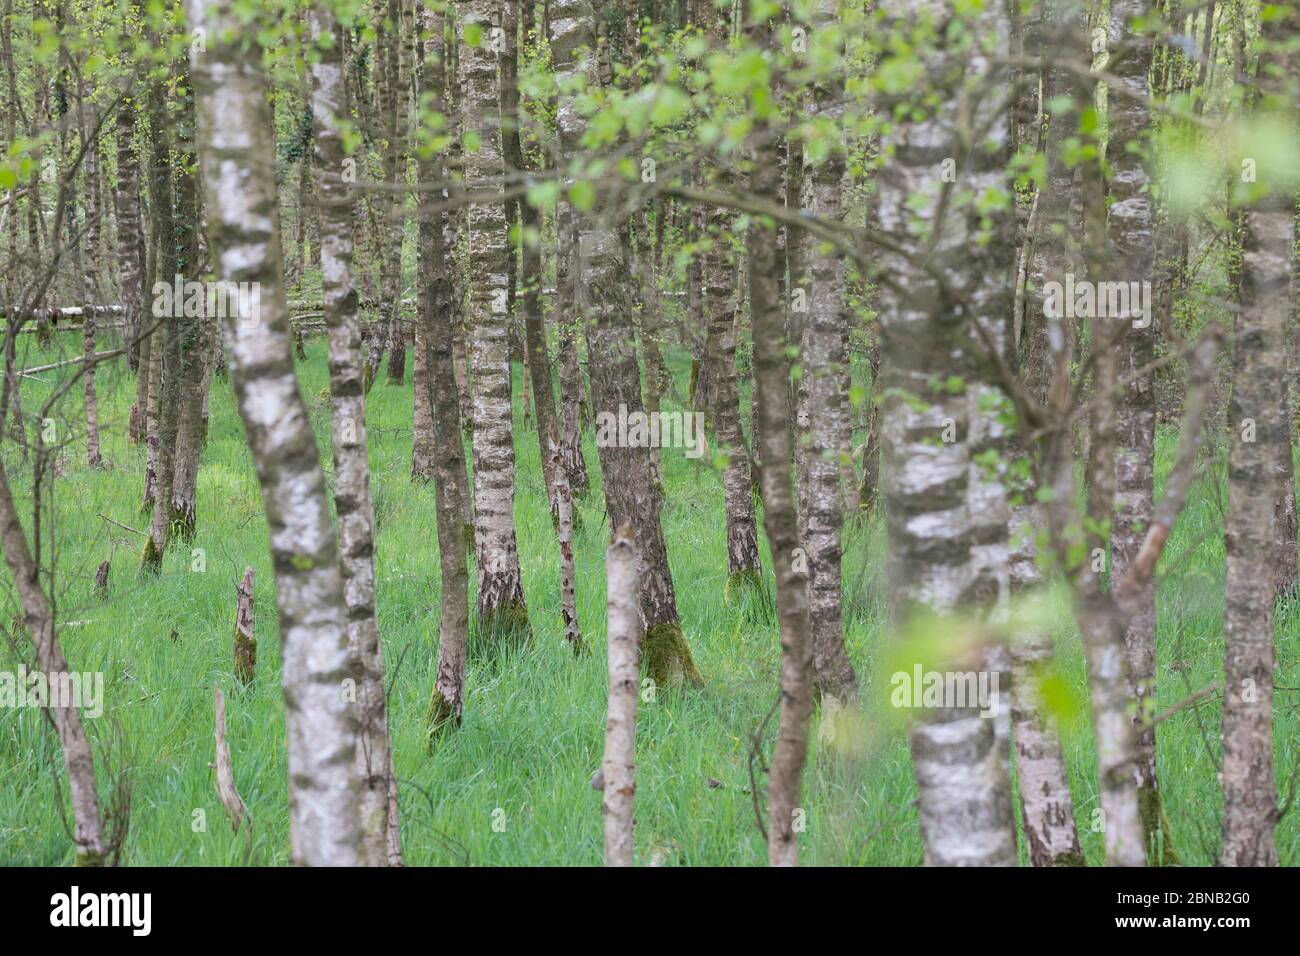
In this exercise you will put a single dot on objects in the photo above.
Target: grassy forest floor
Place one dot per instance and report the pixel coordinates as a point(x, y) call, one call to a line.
point(512, 785)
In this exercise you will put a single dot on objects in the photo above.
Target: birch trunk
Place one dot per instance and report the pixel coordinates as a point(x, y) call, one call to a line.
point(238, 163)
point(437, 317)
point(826, 337)
point(772, 380)
point(88, 835)
point(502, 613)
point(1133, 238)
point(192, 344)
point(618, 768)
point(600, 272)
point(352, 498)
point(1260, 423)
point(165, 384)
point(947, 518)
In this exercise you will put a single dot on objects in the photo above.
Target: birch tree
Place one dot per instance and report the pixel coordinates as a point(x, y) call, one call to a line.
point(352, 499)
point(501, 608)
point(946, 516)
point(1133, 240)
point(437, 315)
point(1259, 422)
point(237, 160)
point(630, 496)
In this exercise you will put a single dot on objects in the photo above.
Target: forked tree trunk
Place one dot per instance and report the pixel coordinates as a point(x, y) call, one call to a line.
point(237, 155)
point(502, 613)
point(352, 498)
point(630, 496)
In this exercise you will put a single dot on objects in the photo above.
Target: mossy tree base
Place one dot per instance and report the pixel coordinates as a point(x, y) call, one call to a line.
point(842, 734)
point(1155, 826)
point(666, 656)
point(440, 719)
point(504, 628)
point(151, 560)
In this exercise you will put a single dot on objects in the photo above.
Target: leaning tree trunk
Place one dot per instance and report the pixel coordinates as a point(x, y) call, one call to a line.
point(1132, 236)
point(237, 154)
point(1260, 422)
point(502, 612)
point(772, 380)
point(437, 313)
point(947, 529)
point(352, 499)
point(92, 845)
point(630, 496)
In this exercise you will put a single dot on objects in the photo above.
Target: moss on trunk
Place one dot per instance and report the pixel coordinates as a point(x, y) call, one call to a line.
point(667, 658)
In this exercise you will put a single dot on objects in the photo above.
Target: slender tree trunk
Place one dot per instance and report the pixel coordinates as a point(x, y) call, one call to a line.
point(400, 64)
point(564, 530)
point(193, 338)
point(947, 528)
point(90, 289)
point(130, 239)
point(618, 769)
point(352, 498)
point(237, 155)
point(501, 609)
point(630, 497)
point(1132, 235)
point(437, 315)
point(1260, 422)
point(167, 360)
point(1045, 799)
point(772, 379)
point(89, 838)
point(826, 365)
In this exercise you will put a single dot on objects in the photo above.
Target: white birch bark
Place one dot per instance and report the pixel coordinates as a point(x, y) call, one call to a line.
point(618, 768)
point(238, 164)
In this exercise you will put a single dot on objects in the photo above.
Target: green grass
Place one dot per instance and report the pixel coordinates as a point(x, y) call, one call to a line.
point(534, 720)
